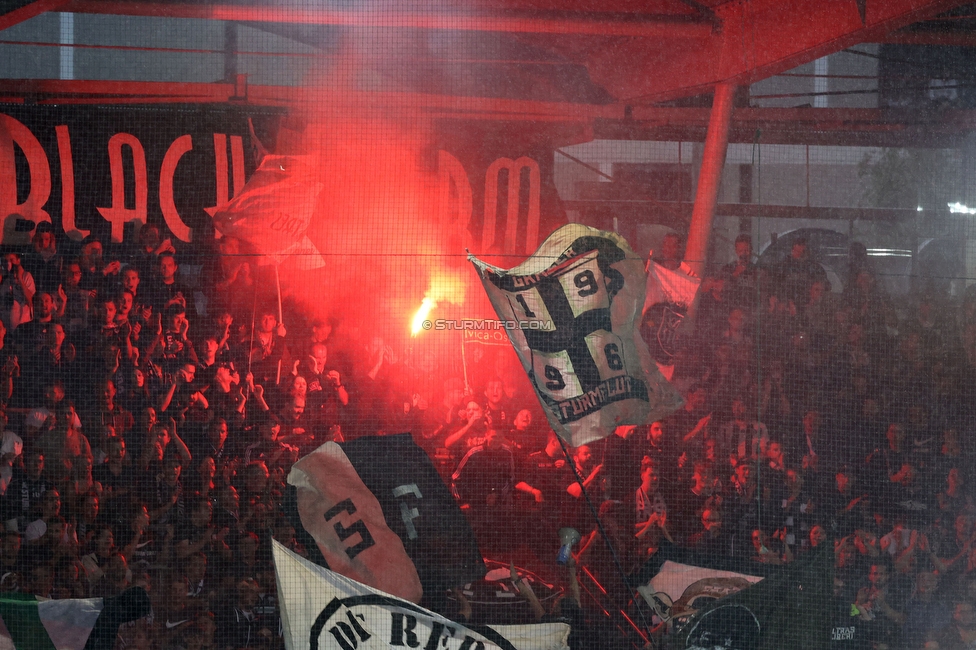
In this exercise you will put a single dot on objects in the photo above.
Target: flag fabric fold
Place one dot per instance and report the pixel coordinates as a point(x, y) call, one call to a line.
point(380, 514)
point(322, 609)
point(577, 302)
point(273, 212)
point(669, 297)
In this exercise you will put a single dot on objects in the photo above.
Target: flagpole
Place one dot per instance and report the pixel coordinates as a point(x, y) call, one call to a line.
point(280, 318)
point(254, 309)
point(464, 366)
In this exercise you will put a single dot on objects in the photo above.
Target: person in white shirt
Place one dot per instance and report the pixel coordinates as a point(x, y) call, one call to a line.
point(11, 447)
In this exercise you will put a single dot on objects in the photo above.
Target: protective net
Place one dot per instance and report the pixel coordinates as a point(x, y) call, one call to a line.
point(338, 334)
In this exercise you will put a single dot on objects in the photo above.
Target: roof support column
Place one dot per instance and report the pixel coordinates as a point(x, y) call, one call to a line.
point(710, 177)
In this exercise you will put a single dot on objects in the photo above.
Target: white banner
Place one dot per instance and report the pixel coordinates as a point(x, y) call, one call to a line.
point(324, 610)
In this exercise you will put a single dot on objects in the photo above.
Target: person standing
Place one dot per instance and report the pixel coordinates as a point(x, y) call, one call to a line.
point(17, 292)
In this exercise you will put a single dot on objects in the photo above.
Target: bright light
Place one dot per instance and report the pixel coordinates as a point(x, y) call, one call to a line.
point(418, 320)
point(918, 209)
point(959, 208)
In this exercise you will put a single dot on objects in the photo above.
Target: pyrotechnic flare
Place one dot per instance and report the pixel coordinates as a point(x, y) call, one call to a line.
point(418, 320)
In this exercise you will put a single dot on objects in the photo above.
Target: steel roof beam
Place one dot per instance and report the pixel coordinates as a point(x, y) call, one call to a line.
point(28, 11)
point(663, 26)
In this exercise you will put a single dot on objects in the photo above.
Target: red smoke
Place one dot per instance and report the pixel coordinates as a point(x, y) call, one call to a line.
point(384, 224)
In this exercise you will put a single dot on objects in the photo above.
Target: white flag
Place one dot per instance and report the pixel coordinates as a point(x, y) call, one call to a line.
point(322, 609)
point(690, 587)
point(670, 294)
point(574, 308)
point(273, 211)
point(673, 287)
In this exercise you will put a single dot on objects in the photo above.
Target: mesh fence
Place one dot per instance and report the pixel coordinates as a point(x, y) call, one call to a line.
point(241, 339)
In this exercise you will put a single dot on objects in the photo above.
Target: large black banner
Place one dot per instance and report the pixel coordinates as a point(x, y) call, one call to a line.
point(100, 170)
point(95, 169)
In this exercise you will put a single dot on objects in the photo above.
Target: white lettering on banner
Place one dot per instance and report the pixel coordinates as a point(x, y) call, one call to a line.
point(13, 133)
point(118, 215)
point(406, 512)
point(176, 150)
point(842, 634)
point(68, 184)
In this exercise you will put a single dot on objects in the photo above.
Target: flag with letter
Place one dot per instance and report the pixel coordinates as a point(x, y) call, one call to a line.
point(273, 211)
point(578, 300)
point(379, 513)
point(322, 609)
point(670, 294)
point(67, 624)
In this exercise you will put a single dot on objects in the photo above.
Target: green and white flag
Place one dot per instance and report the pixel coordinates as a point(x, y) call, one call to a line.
point(322, 609)
point(67, 624)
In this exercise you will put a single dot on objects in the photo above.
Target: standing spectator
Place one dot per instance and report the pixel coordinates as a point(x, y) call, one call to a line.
point(961, 633)
point(327, 396)
point(274, 452)
point(145, 256)
point(742, 276)
point(16, 292)
point(107, 413)
point(670, 255)
point(927, 613)
point(167, 288)
point(76, 298)
point(881, 603)
point(237, 624)
point(228, 279)
point(165, 497)
point(63, 445)
point(497, 410)
point(96, 274)
point(798, 272)
point(742, 439)
point(269, 352)
point(49, 508)
point(443, 418)
point(31, 335)
point(712, 539)
point(43, 261)
point(25, 491)
point(11, 448)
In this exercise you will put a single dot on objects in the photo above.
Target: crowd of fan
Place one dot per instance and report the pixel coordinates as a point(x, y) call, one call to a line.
point(147, 444)
point(813, 415)
point(818, 417)
point(142, 443)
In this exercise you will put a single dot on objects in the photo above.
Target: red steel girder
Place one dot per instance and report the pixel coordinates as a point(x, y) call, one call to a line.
point(28, 11)
point(758, 39)
point(656, 26)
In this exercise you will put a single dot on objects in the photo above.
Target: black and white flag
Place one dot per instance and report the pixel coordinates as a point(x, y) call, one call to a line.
point(580, 298)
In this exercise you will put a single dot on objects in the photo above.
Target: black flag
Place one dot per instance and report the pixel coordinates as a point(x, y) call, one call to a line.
point(378, 512)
